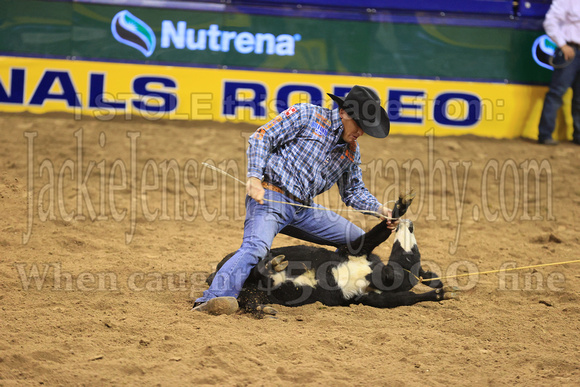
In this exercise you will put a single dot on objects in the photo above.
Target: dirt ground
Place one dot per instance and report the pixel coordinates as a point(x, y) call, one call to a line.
point(103, 248)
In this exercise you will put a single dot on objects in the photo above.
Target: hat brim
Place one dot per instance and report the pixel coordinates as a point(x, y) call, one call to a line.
point(376, 129)
point(339, 101)
point(373, 129)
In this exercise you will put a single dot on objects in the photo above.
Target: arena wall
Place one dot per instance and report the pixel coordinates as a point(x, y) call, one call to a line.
point(449, 74)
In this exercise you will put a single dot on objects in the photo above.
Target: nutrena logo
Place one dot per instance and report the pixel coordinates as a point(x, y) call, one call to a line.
point(542, 49)
point(133, 32)
point(216, 40)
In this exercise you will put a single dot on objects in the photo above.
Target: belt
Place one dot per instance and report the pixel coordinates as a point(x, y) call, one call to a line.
point(572, 44)
point(272, 187)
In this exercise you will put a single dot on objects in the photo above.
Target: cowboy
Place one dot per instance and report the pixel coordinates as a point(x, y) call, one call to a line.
point(298, 155)
point(562, 24)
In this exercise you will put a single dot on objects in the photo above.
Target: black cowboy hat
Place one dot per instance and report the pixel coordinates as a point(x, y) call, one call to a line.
point(363, 105)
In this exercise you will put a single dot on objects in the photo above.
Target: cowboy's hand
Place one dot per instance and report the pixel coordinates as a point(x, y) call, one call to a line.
point(569, 52)
point(388, 213)
point(255, 190)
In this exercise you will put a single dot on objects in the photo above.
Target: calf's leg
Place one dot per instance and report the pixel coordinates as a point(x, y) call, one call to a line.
point(394, 299)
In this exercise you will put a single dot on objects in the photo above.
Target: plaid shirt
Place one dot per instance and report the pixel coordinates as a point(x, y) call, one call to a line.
point(299, 151)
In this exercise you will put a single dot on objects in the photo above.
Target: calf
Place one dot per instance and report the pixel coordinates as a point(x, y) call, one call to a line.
point(299, 275)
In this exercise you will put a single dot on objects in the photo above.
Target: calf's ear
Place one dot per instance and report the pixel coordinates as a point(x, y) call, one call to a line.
point(403, 203)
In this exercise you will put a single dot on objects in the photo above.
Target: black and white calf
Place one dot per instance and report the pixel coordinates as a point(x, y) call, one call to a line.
point(299, 275)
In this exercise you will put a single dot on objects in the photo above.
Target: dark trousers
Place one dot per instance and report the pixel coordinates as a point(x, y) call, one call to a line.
point(562, 79)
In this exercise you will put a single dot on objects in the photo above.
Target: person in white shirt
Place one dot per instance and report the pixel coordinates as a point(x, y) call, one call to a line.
point(562, 24)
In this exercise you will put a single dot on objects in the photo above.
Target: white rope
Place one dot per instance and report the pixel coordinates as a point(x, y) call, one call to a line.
point(378, 214)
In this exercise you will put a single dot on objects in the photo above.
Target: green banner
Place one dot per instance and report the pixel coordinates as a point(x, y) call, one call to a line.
point(201, 38)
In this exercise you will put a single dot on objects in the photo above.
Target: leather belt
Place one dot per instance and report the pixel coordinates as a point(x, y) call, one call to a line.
point(572, 44)
point(272, 187)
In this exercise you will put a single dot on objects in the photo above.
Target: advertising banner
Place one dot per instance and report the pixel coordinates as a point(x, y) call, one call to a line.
point(105, 90)
point(247, 41)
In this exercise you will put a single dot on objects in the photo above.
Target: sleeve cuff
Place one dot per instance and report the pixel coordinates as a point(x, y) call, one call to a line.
point(375, 208)
point(256, 174)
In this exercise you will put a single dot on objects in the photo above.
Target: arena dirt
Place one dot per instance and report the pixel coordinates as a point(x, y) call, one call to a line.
point(124, 247)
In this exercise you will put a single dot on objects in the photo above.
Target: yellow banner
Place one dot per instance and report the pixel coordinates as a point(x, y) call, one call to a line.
point(104, 90)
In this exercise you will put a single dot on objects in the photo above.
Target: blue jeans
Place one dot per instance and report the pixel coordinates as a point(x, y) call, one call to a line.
point(263, 222)
point(562, 79)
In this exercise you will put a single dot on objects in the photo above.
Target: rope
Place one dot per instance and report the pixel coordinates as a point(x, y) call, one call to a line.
point(378, 214)
point(491, 271)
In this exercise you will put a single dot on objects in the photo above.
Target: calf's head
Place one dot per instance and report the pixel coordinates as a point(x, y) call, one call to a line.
point(403, 270)
point(405, 258)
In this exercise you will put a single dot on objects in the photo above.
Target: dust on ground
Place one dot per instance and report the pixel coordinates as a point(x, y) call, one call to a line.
point(101, 259)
